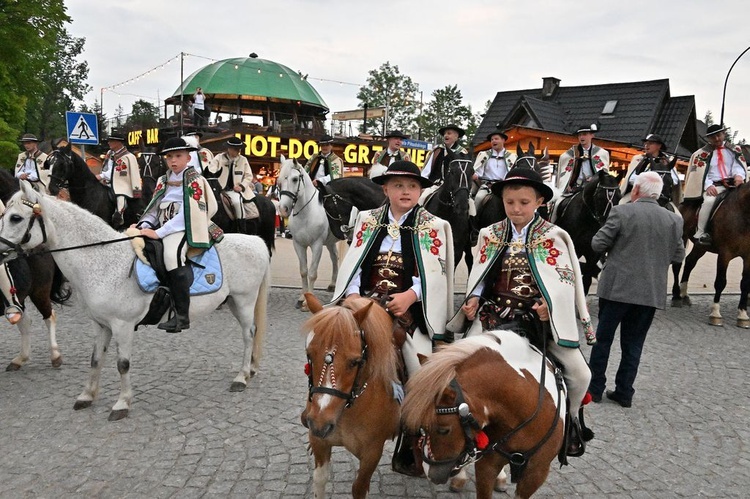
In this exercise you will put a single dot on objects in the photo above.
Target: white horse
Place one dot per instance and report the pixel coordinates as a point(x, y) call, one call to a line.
point(308, 223)
point(100, 276)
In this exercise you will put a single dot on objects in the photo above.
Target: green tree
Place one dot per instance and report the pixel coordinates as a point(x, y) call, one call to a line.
point(29, 31)
point(387, 87)
point(63, 82)
point(142, 115)
point(447, 107)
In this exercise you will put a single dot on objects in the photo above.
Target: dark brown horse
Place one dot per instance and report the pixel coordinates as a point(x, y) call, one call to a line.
point(351, 376)
point(342, 195)
point(730, 232)
point(38, 278)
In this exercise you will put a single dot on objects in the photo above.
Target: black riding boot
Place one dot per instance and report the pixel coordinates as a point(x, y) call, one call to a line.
point(180, 280)
point(404, 459)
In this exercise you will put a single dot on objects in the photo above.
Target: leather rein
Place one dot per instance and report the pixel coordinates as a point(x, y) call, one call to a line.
point(328, 368)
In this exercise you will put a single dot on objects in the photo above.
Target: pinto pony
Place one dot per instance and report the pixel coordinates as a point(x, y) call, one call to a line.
point(352, 377)
point(491, 399)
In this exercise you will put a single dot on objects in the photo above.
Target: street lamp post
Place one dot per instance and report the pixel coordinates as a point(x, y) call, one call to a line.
point(726, 80)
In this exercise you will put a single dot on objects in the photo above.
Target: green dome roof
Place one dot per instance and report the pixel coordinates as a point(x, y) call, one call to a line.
point(251, 77)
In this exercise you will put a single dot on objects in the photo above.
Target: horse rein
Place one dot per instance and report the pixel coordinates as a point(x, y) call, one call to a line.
point(345, 228)
point(356, 390)
point(295, 195)
point(463, 182)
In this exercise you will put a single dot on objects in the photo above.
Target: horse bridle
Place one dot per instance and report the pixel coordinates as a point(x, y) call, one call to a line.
point(610, 193)
point(463, 182)
point(469, 425)
point(36, 215)
point(345, 228)
point(356, 390)
point(62, 183)
point(294, 195)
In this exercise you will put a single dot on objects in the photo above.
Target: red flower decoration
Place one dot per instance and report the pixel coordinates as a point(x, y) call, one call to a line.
point(364, 226)
point(434, 250)
point(437, 242)
point(199, 192)
point(13, 290)
point(701, 164)
point(194, 185)
point(551, 260)
point(308, 369)
point(483, 258)
point(359, 243)
point(433, 234)
point(359, 235)
point(554, 252)
point(547, 243)
point(196, 196)
point(482, 440)
point(704, 155)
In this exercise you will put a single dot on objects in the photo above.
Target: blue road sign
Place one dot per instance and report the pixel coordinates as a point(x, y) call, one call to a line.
point(83, 128)
point(415, 144)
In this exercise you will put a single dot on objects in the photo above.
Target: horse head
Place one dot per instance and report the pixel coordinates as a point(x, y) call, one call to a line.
point(528, 160)
point(348, 351)
point(291, 183)
point(457, 183)
point(22, 224)
point(600, 194)
point(60, 165)
point(338, 210)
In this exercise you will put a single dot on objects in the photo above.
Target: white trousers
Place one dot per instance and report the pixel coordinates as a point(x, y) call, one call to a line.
point(236, 199)
point(6, 284)
point(706, 207)
point(576, 373)
point(419, 343)
point(175, 250)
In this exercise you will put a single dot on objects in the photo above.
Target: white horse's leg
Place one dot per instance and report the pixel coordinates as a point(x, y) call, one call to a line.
point(124, 339)
point(743, 320)
point(101, 344)
point(458, 482)
point(714, 317)
point(261, 322)
point(54, 349)
point(24, 327)
point(501, 483)
point(245, 314)
point(317, 252)
point(320, 479)
point(334, 253)
point(303, 272)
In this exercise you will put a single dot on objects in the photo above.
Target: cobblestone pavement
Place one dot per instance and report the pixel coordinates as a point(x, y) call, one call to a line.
point(188, 436)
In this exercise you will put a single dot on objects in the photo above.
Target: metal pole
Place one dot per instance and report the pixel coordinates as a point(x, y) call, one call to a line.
point(420, 116)
point(101, 110)
point(182, 90)
point(726, 80)
point(385, 119)
point(364, 118)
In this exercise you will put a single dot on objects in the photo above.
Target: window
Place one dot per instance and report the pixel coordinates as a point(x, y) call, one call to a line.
point(609, 107)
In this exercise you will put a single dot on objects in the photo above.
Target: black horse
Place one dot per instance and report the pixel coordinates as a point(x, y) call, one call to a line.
point(451, 203)
point(264, 226)
point(36, 277)
point(68, 171)
point(492, 209)
point(583, 214)
point(152, 167)
point(342, 194)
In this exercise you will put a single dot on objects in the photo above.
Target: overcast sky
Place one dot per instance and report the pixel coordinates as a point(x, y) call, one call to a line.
point(481, 46)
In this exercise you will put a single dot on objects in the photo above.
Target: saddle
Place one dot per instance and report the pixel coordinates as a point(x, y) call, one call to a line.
point(249, 207)
point(207, 272)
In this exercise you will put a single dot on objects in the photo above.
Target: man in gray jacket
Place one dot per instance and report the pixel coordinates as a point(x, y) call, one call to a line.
point(642, 239)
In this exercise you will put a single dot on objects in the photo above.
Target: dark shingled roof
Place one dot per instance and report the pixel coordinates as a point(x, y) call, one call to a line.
point(642, 107)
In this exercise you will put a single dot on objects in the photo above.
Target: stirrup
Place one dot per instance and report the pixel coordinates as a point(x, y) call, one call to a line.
point(14, 314)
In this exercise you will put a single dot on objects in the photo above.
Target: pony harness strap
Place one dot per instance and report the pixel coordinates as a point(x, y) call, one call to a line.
point(328, 368)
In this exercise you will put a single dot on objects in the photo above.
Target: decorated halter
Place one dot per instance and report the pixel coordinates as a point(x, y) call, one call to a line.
point(328, 368)
point(53, 159)
point(337, 216)
point(295, 195)
point(477, 443)
point(463, 181)
point(36, 215)
point(609, 193)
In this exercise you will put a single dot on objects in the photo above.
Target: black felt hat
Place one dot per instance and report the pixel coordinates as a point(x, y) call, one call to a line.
point(592, 128)
point(461, 132)
point(29, 137)
point(523, 176)
point(235, 142)
point(116, 135)
point(402, 169)
point(714, 129)
point(396, 134)
point(325, 139)
point(497, 132)
point(652, 137)
point(195, 133)
point(175, 144)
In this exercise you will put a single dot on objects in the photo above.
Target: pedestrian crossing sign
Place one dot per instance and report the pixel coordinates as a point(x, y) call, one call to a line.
point(83, 128)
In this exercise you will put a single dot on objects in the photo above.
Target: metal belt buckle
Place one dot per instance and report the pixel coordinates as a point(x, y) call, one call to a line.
point(387, 273)
point(386, 285)
point(525, 279)
point(523, 291)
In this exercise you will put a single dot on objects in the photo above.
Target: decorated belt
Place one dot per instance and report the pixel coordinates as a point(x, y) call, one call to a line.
point(386, 275)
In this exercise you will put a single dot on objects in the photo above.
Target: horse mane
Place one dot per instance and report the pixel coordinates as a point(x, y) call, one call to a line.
point(339, 325)
point(424, 389)
point(8, 185)
point(88, 227)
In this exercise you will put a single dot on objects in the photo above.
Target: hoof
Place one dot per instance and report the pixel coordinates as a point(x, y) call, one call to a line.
point(82, 404)
point(237, 387)
point(118, 415)
point(686, 301)
point(457, 484)
point(253, 372)
point(743, 323)
point(13, 367)
point(331, 288)
point(716, 321)
point(676, 303)
point(57, 362)
point(298, 305)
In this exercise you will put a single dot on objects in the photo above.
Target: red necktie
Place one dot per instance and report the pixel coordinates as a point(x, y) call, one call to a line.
point(720, 163)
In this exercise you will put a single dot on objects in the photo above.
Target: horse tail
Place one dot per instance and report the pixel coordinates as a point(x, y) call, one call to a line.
point(61, 291)
point(261, 316)
point(267, 223)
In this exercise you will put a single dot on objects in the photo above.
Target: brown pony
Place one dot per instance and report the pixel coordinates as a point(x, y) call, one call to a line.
point(352, 374)
point(483, 400)
point(730, 228)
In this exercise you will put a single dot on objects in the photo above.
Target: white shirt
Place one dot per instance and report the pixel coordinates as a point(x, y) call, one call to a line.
point(173, 194)
point(586, 170)
point(495, 168)
point(200, 100)
point(732, 167)
point(320, 175)
point(388, 244)
point(29, 168)
point(517, 236)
